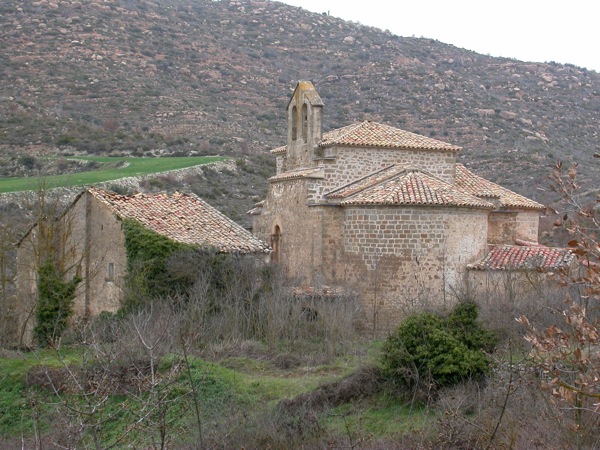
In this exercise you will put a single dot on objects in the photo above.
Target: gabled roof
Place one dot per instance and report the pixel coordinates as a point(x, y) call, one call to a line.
point(400, 185)
point(309, 91)
point(184, 218)
point(373, 134)
point(480, 187)
point(519, 257)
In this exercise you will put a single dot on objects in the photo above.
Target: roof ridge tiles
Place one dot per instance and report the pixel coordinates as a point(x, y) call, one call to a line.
point(374, 134)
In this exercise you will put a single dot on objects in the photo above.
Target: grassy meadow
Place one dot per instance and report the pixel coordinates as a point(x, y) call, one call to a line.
point(107, 169)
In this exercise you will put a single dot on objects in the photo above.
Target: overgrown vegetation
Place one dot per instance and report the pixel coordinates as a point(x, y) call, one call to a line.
point(227, 356)
point(55, 303)
point(234, 297)
point(147, 253)
point(291, 379)
point(9, 214)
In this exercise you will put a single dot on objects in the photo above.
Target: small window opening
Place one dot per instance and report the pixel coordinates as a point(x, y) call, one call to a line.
point(294, 124)
point(111, 272)
point(275, 244)
point(304, 122)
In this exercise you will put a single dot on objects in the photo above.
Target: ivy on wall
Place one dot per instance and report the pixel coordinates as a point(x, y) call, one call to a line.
point(55, 302)
point(158, 267)
point(147, 253)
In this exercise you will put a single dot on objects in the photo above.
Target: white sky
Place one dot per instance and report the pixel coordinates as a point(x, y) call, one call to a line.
point(528, 30)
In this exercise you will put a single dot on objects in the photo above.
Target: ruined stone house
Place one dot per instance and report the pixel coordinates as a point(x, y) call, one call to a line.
point(90, 241)
point(388, 213)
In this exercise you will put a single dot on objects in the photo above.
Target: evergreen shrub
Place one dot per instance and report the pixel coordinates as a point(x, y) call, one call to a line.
point(428, 349)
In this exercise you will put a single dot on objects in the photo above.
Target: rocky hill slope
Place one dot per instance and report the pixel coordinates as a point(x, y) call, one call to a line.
point(146, 77)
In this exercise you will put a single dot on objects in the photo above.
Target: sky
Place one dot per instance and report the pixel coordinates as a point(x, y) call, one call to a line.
point(528, 30)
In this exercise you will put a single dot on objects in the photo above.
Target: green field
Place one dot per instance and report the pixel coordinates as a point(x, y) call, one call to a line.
point(136, 167)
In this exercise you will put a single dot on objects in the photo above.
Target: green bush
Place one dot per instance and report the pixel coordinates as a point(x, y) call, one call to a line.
point(427, 348)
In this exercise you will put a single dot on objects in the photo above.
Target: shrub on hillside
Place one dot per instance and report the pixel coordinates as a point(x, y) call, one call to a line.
point(427, 349)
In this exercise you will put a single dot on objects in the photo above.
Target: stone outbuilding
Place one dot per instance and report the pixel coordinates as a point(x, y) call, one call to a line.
point(388, 213)
point(90, 242)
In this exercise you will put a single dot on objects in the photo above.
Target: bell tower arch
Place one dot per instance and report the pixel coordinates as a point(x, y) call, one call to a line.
point(305, 117)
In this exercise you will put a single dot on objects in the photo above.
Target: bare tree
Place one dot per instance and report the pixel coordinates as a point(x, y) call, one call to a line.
point(568, 355)
point(9, 231)
point(55, 247)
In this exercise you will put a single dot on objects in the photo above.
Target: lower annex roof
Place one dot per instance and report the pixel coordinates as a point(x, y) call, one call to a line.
point(184, 218)
point(524, 257)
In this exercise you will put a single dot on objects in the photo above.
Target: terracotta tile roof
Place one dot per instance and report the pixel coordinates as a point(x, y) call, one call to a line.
point(279, 150)
point(184, 218)
point(398, 185)
point(519, 257)
point(480, 187)
point(373, 134)
point(312, 172)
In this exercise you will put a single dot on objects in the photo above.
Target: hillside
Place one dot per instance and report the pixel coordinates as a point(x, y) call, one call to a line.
point(195, 77)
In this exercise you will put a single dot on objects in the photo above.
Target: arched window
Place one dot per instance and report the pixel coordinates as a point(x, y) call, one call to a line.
point(294, 123)
point(275, 244)
point(304, 122)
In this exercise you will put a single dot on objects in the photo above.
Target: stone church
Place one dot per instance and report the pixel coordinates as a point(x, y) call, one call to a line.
point(388, 213)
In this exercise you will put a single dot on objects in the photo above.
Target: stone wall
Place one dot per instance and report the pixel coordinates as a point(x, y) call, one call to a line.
point(299, 245)
point(90, 239)
point(26, 284)
point(528, 225)
point(505, 227)
point(106, 247)
point(351, 163)
point(400, 259)
point(334, 267)
point(94, 240)
point(280, 164)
